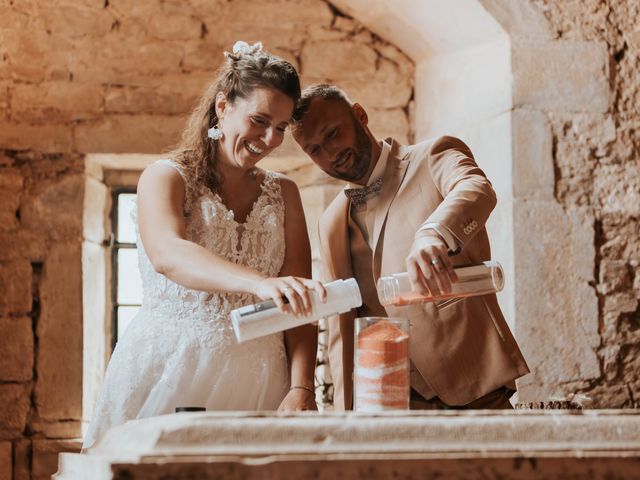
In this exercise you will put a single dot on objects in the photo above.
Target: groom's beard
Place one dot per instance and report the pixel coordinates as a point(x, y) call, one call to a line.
point(361, 154)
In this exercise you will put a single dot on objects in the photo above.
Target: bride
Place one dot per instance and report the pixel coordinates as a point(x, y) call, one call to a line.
point(215, 233)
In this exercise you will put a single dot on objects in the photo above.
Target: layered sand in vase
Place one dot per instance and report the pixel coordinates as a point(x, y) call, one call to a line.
point(381, 371)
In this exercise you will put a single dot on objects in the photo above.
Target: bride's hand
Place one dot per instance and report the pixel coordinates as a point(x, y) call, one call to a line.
point(298, 400)
point(291, 294)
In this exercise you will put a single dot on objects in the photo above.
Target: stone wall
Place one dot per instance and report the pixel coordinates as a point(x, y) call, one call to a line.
point(120, 76)
point(597, 181)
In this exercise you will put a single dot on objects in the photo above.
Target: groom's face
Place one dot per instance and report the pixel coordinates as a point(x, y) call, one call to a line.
point(335, 139)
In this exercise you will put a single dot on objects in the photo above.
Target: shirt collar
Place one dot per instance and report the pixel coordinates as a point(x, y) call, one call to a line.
point(381, 164)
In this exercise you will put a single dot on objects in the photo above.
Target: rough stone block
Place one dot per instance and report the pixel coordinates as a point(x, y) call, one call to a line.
point(532, 157)
point(22, 459)
point(610, 395)
point(620, 302)
point(43, 138)
point(129, 133)
point(8, 219)
point(556, 308)
point(403, 63)
point(171, 98)
point(124, 56)
point(204, 55)
point(614, 276)
point(22, 244)
point(55, 207)
point(32, 55)
point(11, 183)
point(96, 224)
point(96, 304)
point(6, 461)
point(326, 33)
point(58, 389)
point(16, 349)
point(174, 27)
point(13, 18)
point(519, 18)
point(177, 7)
point(389, 88)
point(617, 187)
point(11, 180)
point(63, 101)
point(15, 399)
point(4, 98)
point(561, 76)
point(338, 60)
point(45, 456)
point(136, 9)
point(389, 123)
point(15, 285)
point(584, 147)
point(288, 15)
point(74, 20)
point(55, 428)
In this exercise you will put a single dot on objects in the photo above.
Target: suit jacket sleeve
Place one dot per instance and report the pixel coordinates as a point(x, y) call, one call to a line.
point(468, 197)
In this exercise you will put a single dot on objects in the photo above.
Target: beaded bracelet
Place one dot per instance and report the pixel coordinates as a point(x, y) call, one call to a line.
point(303, 387)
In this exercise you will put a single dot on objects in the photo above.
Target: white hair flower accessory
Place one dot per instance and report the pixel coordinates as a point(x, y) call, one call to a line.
point(241, 48)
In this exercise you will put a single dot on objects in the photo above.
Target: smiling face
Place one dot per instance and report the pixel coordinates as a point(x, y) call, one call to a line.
point(252, 127)
point(335, 137)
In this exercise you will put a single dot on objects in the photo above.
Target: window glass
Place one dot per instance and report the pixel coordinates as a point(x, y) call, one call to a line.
point(126, 227)
point(127, 285)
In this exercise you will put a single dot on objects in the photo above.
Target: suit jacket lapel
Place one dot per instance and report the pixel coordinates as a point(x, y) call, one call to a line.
point(394, 174)
point(337, 237)
point(334, 226)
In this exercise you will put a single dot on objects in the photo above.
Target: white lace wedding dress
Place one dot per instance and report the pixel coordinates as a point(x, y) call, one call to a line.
point(180, 349)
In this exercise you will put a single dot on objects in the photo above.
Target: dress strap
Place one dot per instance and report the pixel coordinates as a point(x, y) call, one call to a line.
point(271, 183)
point(189, 191)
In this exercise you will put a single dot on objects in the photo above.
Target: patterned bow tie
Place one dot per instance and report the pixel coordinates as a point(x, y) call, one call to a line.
point(359, 196)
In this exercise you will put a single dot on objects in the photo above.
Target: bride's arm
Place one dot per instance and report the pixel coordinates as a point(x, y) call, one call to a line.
point(161, 195)
point(301, 342)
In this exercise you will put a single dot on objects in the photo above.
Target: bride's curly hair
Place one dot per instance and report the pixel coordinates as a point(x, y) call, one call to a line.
point(240, 74)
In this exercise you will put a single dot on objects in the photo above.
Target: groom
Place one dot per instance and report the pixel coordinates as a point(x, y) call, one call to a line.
point(422, 209)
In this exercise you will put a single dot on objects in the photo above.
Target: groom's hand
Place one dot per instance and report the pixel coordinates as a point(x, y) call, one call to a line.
point(298, 400)
point(428, 265)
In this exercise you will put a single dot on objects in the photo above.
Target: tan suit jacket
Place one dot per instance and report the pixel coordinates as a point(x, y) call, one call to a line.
point(462, 349)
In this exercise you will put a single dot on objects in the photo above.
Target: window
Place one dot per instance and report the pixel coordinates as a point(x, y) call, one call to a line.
point(126, 283)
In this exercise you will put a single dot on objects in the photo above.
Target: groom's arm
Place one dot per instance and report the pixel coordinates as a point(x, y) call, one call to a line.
point(467, 201)
point(468, 197)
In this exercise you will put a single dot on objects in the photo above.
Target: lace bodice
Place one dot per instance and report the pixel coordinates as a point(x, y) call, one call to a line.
point(258, 244)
